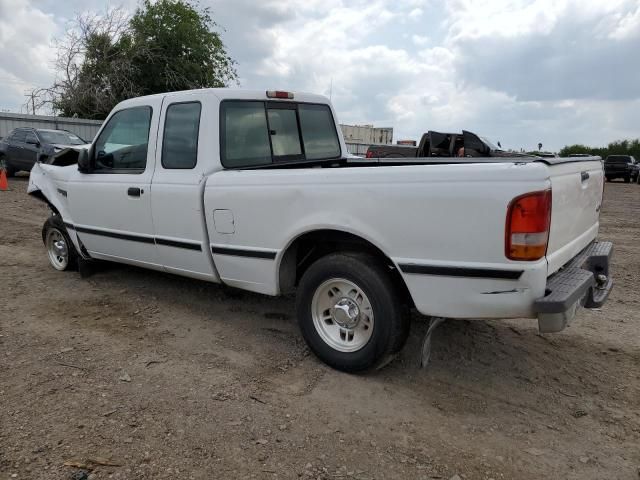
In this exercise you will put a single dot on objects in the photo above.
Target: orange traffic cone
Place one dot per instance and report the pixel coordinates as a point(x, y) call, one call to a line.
point(3, 180)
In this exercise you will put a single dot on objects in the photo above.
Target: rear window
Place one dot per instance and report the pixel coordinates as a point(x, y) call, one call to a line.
point(254, 133)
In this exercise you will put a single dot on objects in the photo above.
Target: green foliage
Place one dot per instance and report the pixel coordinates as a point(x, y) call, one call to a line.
point(176, 48)
point(167, 45)
point(619, 147)
point(104, 78)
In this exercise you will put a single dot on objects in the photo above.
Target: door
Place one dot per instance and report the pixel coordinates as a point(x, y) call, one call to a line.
point(16, 147)
point(111, 205)
point(31, 150)
point(178, 186)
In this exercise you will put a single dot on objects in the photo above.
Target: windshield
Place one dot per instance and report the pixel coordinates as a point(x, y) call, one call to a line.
point(60, 137)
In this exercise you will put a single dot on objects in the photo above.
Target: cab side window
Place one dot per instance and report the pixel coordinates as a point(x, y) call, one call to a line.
point(122, 144)
point(180, 138)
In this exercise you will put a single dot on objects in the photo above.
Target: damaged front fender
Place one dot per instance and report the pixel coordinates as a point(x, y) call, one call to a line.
point(49, 183)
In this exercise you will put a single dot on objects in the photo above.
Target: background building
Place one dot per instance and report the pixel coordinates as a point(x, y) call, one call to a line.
point(359, 137)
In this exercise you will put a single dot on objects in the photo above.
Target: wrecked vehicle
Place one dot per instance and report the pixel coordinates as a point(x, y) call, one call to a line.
point(438, 145)
point(24, 147)
point(255, 190)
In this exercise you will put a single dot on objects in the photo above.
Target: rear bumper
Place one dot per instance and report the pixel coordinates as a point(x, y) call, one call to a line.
point(584, 281)
point(619, 173)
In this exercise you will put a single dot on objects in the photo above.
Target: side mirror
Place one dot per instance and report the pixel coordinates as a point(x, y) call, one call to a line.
point(31, 141)
point(83, 161)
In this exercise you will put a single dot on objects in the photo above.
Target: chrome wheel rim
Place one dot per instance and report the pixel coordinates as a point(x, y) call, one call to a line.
point(57, 249)
point(342, 315)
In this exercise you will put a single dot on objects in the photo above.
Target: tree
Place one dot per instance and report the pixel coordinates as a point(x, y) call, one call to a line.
point(178, 48)
point(619, 147)
point(93, 67)
point(104, 59)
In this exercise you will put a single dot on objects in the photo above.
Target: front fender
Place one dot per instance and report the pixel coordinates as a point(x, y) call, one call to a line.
point(48, 183)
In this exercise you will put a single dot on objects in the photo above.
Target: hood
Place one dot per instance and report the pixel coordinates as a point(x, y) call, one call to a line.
point(62, 146)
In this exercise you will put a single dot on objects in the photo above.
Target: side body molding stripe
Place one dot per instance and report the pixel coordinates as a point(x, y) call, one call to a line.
point(445, 271)
point(138, 238)
point(239, 252)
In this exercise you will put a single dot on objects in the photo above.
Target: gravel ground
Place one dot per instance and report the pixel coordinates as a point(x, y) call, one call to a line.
point(133, 374)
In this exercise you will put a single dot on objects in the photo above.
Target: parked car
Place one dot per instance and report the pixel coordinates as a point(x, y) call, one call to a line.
point(23, 147)
point(255, 190)
point(621, 166)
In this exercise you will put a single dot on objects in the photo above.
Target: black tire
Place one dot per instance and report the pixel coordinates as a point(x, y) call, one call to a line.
point(627, 179)
point(390, 319)
point(55, 223)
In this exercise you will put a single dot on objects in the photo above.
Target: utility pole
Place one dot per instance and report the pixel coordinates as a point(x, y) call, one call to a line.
point(33, 102)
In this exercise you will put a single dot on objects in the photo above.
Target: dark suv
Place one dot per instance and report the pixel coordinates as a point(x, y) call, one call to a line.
point(621, 166)
point(23, 147)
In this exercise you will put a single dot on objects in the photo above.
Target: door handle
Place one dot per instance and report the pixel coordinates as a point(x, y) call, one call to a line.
point(584, 176)
point(134, 191)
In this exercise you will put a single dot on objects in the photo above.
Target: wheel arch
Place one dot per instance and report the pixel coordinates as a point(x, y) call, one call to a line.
point(306, 247)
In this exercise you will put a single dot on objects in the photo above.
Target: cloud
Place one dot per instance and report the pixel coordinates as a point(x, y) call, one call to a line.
point(25, 55)
point(566, 50)
point(519, 71)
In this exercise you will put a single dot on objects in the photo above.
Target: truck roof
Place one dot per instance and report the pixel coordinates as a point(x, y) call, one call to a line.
point(235, 94)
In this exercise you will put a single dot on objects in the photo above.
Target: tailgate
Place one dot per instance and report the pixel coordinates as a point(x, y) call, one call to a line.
point(576, 199)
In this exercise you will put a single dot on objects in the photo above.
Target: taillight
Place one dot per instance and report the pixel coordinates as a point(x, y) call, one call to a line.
point(528, 221)
point(369, 154)
point(279, 94)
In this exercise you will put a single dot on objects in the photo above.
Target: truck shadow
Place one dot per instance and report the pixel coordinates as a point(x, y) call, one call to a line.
point(475, 352)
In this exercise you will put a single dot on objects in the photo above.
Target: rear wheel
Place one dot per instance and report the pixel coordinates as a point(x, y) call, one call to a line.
point(350, 313)
point(60, 250)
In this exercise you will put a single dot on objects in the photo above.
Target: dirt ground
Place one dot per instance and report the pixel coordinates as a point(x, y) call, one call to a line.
point(164, 377)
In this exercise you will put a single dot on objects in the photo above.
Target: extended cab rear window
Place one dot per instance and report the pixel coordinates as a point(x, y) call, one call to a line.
point(256, 133)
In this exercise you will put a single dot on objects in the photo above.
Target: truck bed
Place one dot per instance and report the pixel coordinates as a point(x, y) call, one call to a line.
point(398, 161)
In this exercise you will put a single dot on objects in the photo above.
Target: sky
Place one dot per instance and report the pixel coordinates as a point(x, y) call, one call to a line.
point(520, 72)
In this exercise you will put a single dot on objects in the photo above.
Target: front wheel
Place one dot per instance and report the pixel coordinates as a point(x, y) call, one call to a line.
point(60, 250)
point(350, 313)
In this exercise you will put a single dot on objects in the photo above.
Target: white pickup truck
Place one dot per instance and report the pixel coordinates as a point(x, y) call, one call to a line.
point(256, 190)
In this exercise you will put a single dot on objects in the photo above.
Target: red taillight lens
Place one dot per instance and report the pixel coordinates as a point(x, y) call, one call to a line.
point(528, 221)
point(369, 154)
